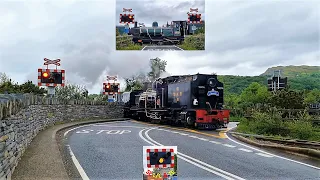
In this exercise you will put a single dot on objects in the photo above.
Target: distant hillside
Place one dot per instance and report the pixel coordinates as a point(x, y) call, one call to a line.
point(292, 71)
point(299, 78)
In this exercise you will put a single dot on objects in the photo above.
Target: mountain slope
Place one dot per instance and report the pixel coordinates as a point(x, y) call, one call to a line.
point(292, 71)
point(299, 78)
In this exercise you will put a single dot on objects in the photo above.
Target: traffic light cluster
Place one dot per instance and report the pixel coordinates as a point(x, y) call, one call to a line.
point(194, 17)
point(51, 77)
point(157, 158)
point(126, 18)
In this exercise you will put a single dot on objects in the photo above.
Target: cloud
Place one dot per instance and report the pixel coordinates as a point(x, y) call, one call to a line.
point(242, 37)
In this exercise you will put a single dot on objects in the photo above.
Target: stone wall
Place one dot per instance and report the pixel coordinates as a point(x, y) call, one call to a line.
point(22, 118)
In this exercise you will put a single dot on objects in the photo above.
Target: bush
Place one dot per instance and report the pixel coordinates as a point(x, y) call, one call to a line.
point(125, 42)
point(271, 124)
point(300, 130)
point(194, 42)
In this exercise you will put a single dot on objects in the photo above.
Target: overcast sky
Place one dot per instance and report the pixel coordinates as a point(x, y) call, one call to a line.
point(242, 38)
point(161, 11)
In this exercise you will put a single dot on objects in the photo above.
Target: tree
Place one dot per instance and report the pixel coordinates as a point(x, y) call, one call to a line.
point(9, 86)
point(288, 99)
point(4, 78)
point(133, 83)
point(312, 97)
point(136, 82)
point(255, 93)
point(71, 91)
point(29, 87)
point(157, 66)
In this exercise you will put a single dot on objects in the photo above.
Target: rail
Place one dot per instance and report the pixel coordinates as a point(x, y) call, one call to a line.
point(300, 143)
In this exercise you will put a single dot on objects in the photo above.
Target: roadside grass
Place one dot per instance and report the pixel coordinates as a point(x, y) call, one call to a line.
point(194, 42)
point(272, 125)
point(130, 47)
point(124, 42)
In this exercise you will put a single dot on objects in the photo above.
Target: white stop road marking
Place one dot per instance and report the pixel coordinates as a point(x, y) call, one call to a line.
point(86, 131)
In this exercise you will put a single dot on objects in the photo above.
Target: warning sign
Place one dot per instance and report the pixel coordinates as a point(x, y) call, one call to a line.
point(160, 162)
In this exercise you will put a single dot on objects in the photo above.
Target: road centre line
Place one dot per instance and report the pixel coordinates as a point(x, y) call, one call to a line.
point(192, 160)
point(270, 153)
point(221, 135)
point(215, 142)
point(228, 145)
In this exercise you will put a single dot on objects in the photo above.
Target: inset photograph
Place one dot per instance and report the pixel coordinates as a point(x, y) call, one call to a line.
point(160, 25)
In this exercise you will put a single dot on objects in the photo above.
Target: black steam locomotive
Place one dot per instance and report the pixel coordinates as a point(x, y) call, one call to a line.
point(188, 100)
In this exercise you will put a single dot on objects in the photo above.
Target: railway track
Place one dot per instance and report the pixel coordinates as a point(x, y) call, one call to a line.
point(290, 142)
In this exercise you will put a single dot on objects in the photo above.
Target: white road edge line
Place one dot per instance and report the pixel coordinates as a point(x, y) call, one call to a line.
point(264, 155)
point(73, 157)
point(213, 169)
point(245, 150)
point(179, 48)
point(270, 153)
point(78, 166)
point(143, 48)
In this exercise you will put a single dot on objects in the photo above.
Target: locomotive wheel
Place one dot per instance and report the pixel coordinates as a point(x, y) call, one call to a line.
point(189, 121)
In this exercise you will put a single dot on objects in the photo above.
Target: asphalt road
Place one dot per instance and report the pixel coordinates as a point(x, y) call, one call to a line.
point(114, 151)
point(162, 48)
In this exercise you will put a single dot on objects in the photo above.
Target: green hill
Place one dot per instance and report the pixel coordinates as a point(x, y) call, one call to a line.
point(299, 78)
point(293, 71)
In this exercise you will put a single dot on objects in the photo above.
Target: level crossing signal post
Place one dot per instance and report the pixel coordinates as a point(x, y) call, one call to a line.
point(127, 18)
point(194, 18)
point(51, 77)
point(111, 88)
point(160, 162)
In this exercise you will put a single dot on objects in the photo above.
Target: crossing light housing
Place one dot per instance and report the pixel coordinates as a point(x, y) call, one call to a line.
point(51, 77)
point(158, 158)
point(195, 17)
point(127, 18)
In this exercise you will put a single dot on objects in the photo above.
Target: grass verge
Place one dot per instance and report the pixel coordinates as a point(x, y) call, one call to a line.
point(272, 125)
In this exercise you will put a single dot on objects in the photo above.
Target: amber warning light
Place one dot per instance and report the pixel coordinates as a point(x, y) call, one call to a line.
point(160, 162)
point(45, 75)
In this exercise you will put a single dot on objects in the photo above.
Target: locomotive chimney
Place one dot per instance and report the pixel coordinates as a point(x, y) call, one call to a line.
point(135, 24)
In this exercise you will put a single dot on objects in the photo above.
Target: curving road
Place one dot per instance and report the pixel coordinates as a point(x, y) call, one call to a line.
point(114, 151)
